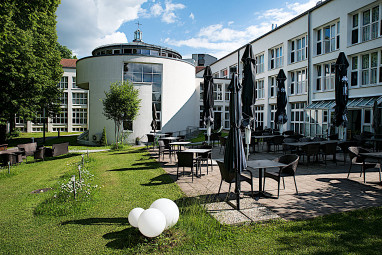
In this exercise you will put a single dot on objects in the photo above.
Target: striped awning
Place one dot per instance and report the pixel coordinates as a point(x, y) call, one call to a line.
point(353, 103)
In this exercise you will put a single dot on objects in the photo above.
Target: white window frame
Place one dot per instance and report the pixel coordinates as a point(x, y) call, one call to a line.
point(298, 82)
point(260, 63)
point(80, 116)
point(272, 110)
point(276, 57)
point(227, 92)
point(232, 69)
point(259, 113)
point(272, 87)
point(367, 25)
point(79, 98)
point(63, 84)
point(326, 77)
point(224, 73)
point(218, 92)
point(61, 118)
point(259, 87)
point(298, 49)
point(297, 111)
point(329, 42)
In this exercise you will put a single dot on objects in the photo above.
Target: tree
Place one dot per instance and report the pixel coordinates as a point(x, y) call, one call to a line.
point(121, 104)
point(103, 140)
point(30, 63)
point(65, 51)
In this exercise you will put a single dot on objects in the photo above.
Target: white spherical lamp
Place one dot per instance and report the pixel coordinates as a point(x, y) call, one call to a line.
point(134, 216)
point(169, 209)
point(151, 222)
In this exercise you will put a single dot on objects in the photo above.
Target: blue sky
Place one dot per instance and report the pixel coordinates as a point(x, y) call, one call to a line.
point(194, 26)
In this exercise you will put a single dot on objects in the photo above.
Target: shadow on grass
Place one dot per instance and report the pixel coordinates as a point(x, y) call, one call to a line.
point(160, 180)
point(69, 155)
point(127, 238)
point(129, 151)
point(138, 166)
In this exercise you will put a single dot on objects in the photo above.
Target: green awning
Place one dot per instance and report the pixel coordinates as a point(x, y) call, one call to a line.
point(353, 103)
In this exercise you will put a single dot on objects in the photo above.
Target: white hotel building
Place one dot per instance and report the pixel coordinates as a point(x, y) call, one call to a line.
point(306, 48)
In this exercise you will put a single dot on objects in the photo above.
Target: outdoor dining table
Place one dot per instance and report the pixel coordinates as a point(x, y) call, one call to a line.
point(300, 144)
point(195, 153)
point(262, 164)
point(179, 144)
point(375, 142)
point(170, 138)
point(263, 138)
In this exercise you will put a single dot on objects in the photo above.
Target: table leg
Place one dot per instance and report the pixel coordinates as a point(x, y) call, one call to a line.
point(261, 193)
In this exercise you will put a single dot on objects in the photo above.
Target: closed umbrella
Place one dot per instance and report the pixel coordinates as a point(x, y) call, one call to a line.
point(208, 100)
point(154, 121)
point(234, 156)
point(281, 116)
point(248, 95)
point(341, 92)
point(376, 118)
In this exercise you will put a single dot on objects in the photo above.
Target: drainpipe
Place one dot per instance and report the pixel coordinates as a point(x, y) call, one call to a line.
point(310, 46)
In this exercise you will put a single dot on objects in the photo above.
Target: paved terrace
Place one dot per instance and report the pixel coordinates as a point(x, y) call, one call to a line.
point(323, 189)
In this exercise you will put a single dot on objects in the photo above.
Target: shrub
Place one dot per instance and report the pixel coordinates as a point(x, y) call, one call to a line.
point(103, 140)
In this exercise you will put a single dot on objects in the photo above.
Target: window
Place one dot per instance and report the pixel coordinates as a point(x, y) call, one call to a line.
point(366, 25)
point(64, 98)
point(218, 92)
point(260, 64)
point(201, 91)
point(259, 113)
point(227, 93)
point(61, 118)
point(224, 73)
point(298, 50)
point(80, 98)
point(232, 69)
point(380, 66)
point(74, 84)
point(19, 120)
point(80, 116)
point(273, 113)
point(354, 71)
point(328, 38)
point(216, 75)
point(226, 117)
point(298, 82)
point(366, 120)
point(38, 119)
point(259, 87)
point(364, 69)
point(127, 125)
point(297, 117)
point(63, 84)
point(147, 73)
point(276, 57)
point(325, 77)
point(272, 86)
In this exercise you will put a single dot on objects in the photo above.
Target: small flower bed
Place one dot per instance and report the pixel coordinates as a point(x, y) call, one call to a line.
point(73, 193)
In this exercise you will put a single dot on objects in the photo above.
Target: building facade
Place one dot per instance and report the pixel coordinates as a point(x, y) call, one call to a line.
point(160, 75)
point(306, 48)
point(74, 106)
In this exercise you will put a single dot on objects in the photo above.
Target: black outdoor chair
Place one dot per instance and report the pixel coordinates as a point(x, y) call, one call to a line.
point(291, 161)
point(205, 157)
point(290, 148)
point(357, 159)
point(305, 139)
point(222, 141)
point(162, 149)
point(329, 149)
point(333, 137)
point(276, 142)
point(150, 140)
point(312, 149)
point(344, 146)
point(186, 159)
point(230, 177)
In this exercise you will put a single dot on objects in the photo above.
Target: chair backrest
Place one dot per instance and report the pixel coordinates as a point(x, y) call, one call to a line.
point(166, 143)
point(226, 176)
point(329, 148)
point(354, 154)
point(289, 132)
point(222, 140)
point(60, 148)
point(291, 160)
point(278, 140)
point(150, 138)
point(185, 159)
point(311, 149)
point(29, 148)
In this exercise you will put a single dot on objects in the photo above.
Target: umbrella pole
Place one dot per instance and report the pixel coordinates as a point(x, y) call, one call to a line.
point(237, 190)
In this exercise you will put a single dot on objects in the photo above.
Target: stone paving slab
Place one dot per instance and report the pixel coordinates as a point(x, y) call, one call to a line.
point(322, 189)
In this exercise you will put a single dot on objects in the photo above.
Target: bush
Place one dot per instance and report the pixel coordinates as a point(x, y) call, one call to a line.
point(103, 140)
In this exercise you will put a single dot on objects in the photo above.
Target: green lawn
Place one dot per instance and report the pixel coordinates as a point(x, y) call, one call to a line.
point(130, 179)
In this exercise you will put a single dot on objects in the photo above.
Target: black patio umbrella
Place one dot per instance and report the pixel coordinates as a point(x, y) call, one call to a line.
point(281, 116)
point(208, 100)
point(248, 95)
point(376, 118)
point(154, 121)
point(341, 90)
point(234, 156)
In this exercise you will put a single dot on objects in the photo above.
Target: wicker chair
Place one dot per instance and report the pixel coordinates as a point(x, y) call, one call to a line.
point(286, 148)
point(205, 157)
point(357, 159)
point(276, 141)
point(230, 177)
point(186, 159)
point(150, 140)
point(311, 149)
point(329, 149)
point(291, 160)
point(39, 153)
point(162, 149)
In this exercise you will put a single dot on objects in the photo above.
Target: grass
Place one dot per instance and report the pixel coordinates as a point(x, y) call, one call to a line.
point(129, 179)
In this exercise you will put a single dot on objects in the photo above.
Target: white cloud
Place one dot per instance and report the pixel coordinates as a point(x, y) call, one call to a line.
point(169, 15)
point(220, 40)
point(230, 22)
point(192, 16)
point(156, 10)
point(86, 24)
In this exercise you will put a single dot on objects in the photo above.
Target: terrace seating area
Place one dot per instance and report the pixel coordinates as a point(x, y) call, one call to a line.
point(323, 185)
